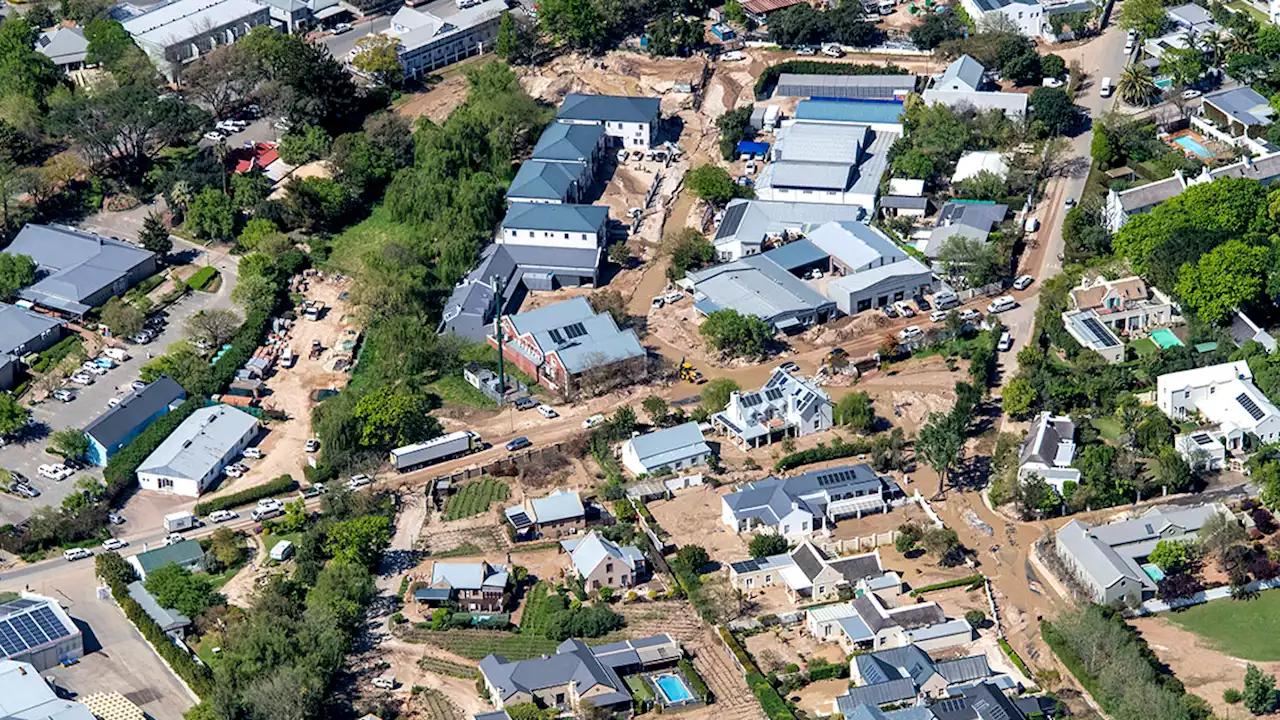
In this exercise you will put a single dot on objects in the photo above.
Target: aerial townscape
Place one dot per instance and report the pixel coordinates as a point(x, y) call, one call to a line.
point(573, 359)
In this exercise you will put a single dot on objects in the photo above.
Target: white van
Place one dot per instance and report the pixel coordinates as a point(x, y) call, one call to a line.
point(1006, 341)
point(76, 554)
point(117, 354)
point(1001, 304)
point(1105, 89)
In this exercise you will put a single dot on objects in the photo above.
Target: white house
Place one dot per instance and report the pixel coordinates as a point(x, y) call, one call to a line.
point(959, 86)
point(807, 574)
point(972, 163)
point(1125, 304)
point(567, 225)
point(1026, 15)
point(194, 455)
point(785, 406)
point(632, 120)
point(1223, 395)
point(668, 450)
point(796, 507)
point(1202, 449)
point(1049, 450)
point(868, 623)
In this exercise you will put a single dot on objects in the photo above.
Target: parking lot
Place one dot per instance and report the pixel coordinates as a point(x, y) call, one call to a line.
point(26, 454)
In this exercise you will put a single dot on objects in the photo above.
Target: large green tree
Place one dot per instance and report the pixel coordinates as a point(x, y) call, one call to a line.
point(735, 334)
point(16, 272)
point(1146, 17)
point(1228, 276)
point(13, 416)
point(715, 394)
point(178, 588)
point(212, 215)
point(359, 540)
point(941, 445)
point(392, 417)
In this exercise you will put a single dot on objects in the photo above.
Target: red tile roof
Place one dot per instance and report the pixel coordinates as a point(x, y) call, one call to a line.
point(760, 7)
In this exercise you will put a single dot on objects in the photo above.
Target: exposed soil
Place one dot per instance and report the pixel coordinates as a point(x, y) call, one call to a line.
point(1203, 670)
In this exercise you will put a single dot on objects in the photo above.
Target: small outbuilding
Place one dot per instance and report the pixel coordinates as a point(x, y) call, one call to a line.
point(282, 551)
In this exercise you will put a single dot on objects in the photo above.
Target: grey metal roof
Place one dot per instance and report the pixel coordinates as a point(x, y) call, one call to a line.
point(904, 202)
point(497, 715)
point(963, 669)
point(182, 20)
point(200, 443)
point(594, 549)
point(167, 618)
point(820, 143)
point(543, 181)
point(964, 73)
point(856, 245)
point(565, 217)
point(809, 559)
point(875, 161)
point(883, 693)
point(1189, 15)
point(855, 87)
point(135, 408)
point(1046, 434)
point(579, 336)
point(75, 264)
point(859, 281)
point(979, 215)
point(568, 142)
point(797, 254)
point(469, 576)
point(751, 220)
point(559, 505)
point(437, 22)
point(755, 285)
point(580, 665)
point(609, 108)
point(24, 695)
point(63, 45)
point(20, 326)
point(983, 701)
point(1243, 105)
point(858, 567)
point(817, 175)
point(670, 445)
point(771, 497)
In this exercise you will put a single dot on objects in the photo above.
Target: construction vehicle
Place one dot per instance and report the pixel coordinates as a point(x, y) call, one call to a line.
point(688, 372)
point(316, 350)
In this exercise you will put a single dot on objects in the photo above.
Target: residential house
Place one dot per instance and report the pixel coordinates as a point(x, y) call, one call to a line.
point(601, 563)
point(539, 182)
point(798, 506)
point(757, 285)
point(972, 163)
point(806, 573)
point(867, 269)
point(1086, 328)
point(1124, 204)
point(1223, 395)
point(193, 456)
point(1028, 16)
point(1202, 449)
point(171, 622)
point(475, 587)
point(1048, 451)
point(118, 426)
point(787, 406)
point(186, 554)
point(65, 46)
point(1110, 560)
point(1125, 305)
point(78, 271)
point(35, 629)
point(969, 219)
point(749, 225)
point(177, 33)
point(581, 227)
point(633, 121)
point(960, 85)
point(28, 696)
point(572, 144)
point(869, 622)
point(1239, 111)
point(560, 513)
point(22, 333)
point(1243, 329)
point(845, 87)
point(441, 33)
point(568, 344)
point(665, 451)
point(820, 157)
point(905, 675)
point(576, 673)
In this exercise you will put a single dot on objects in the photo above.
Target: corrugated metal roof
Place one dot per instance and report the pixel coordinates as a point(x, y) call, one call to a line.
point(134, 409)
point(610, 108)
point(201, 442)
point(849, 111)
point(850, 87)
point(552, 217)
point(797, 254)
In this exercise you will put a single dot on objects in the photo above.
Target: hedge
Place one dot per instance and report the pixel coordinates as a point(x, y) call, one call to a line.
point(1014, 657)
point(774, 706)
point(970, 580)
point(821, 453)
point(202, 277)
point(55, 354)
point(695, 680)
point(768, 80)
point(820, 669)
point(121, 471)
point(278, 486)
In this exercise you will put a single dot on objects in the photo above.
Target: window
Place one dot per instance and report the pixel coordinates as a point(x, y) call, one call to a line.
point(786, 529)
point(608, 567)
point(163, 483)
point(566, 236)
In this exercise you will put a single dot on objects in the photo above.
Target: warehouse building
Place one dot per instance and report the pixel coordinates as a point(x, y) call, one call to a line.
point(191, 459)
point(846, 87)
point(35, 629)
point(177, 33)
point(78, 271)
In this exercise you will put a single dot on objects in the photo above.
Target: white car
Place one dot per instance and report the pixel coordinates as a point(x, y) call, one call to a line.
point(832, 51)
point(1052, 82)
point(1023, 282)
point(547, 412)
point(1191, 94)
point(970, 315)
point(57, 472)
point(232, 471)
point(904, 309)
point(910, 332)
point(93, 369)
point(173, 539)
point(938, 316)
point(341, 28)
point(213, 136)
point(220, 516)
point(358, 481)
point(592, 421)
point(114, 544)
point(253, 453)
point(82, 378)
point(76, 554)
point(312, 445)
point(1002, 304)
point(806, 51)
point(789, 367)
point(113, 402)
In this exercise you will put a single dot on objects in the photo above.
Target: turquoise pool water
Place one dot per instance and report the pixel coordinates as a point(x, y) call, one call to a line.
point(1153, 571)
point(1165, 338)
point(1164, 83)
point(1190, 144)
point(673, 688)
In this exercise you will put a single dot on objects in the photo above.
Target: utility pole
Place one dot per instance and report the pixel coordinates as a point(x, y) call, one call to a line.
point(501, 336)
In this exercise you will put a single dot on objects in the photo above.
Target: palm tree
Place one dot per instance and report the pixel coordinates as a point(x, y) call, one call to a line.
point(220, 151)
point(180, 194)
point(1136, 85)
point(1214, 44)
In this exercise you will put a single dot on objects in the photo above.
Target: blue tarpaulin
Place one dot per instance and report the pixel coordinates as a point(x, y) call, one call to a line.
point(759, 149)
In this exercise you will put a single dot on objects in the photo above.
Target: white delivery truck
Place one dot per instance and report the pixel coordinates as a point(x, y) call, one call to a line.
point(115, 353)
point(179, 521)
point(455, 444)
point(771, 115)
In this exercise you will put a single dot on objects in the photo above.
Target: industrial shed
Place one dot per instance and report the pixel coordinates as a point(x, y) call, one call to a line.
point(846, 87)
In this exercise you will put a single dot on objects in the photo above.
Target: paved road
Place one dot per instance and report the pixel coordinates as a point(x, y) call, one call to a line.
point(340, 45)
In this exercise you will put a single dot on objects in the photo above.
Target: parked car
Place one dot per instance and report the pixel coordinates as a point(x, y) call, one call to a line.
point(1006, 342)
point(904, 309)
point(359, 481)
point(518, 444)
point(341, 28)
point(910, 332)
point(213, 136)
point(93, 369)
point(219, 516)
point(733, 56)
point(144, 337)
point(26, 491)
point(76, 554)
point(832, 51)
point(55, 472)
point(114, 544)
point(1104, 89)
point(789, 366)
point(82, 378)
point(312, 445)
point(173, 539)
point(889, 312)
point(1023, 282)
point(1002, 304)
point(547, 412)
point(970, 315)
point(593, 421)
point(105, 362)
point(113, 402)
point(64, 395)
point(525, 403)
point(806, 50)
point(315, 490)
point(253, 453)
point(232, 471)
point(1191, 94)
point(938, 316)
point(115, 518)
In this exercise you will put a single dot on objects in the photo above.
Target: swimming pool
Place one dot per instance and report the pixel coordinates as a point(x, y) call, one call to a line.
point(1190, 144)
point(1164, 83)
point(1153, 571)
point(1165, 338)
point(673, 689)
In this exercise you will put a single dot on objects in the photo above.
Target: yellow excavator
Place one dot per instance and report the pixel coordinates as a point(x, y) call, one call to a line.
point(688, 372)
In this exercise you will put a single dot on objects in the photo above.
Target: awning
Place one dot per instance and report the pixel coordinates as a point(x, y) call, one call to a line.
point(787, 323)
point(429, 594)
point(753, 148)
point(330, 12)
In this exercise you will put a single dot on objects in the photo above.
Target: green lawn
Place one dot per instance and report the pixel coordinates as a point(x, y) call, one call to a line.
point(1251, 10)
point(1144, 347)
point(455, 390)
point(1242, 629)
point(639, 688)
point(1109, 428)
point(476, 644)
point(378, 229)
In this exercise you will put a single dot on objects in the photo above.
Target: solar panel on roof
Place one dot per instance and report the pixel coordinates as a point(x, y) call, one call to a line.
point(575, 331)
point(1250, 406)
point(9, 639)
point(1201, 439)
point(555, 335)
point(27, 629)
point(773, 394)
point(49, 623)
point(732, 219)
point(751, 400)
point(1099, 333)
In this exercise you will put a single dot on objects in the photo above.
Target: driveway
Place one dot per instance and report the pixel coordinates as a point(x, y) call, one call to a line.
point(340, 45)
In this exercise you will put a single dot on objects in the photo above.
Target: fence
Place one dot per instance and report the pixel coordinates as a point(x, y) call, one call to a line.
point(846, 546)
point(500, 467)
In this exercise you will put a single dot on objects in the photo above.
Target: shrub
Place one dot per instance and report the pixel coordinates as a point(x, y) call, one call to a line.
point(202, 277)
point(1232, 696)
point(821, 453)
point(970, 580)
point(278, 486)
point(696, 684)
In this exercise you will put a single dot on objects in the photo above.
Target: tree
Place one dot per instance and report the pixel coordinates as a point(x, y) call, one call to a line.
point(935, 29)
point(1219, 534)
point(255, 292)
point(176, 587)
point(1018, 398)
point(971, 258)
point(154, 235)
point(1259, 691)
point(688, 250)
point(1023, 68)
point(377, 56)
point(620, 254)
point(214, 327)
point(1053, 107)
point(358, 541)
point(248, 189)
point(227, 547)
point(712, 183)
point(16, 272)
point(943, 543)
point(212, 215)
point(1184, 65)
point(941, 444)
point(315, 203)
point(221, 79)
point(39, 17)
point(735, 334)
point(799, 25)
point(123, 319)
point(13, 416)
point(1225, 278)
point(69, 442)
point(580, 24)
point(673, 36)
point(985, 185)
point(767, 545)
point(305, 144)
point(657, 409)
point(24, 73)
point(715, 396)
point(1172, 556)
point(693, 557)
point(856, 412)
point(1136, 85)
point(507, 40)
point(1146, 17)
point(392, 417)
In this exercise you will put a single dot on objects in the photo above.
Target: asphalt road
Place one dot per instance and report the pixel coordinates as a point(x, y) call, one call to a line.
point(340, 45)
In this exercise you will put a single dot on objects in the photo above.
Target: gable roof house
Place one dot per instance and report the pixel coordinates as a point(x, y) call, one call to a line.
point(1124, 204)
point(748, 225)
point(431, 36)
point(65, 46)
point(186, 554)
point(870, 622)
point(23, 332)
point(1125, 304)
point(1239, 111)
point(176, 33)
point(867, 268)
point(1048, 451)
point(118, 426)
point(633, 121)
point(194, 455)
point(968, 219)
point(567, 345)
point(78, 271)
point(904, 675)
point(473, 587)
point(602, 563)
point(797, 506)
point(960, 86)
point(566, 225)
point(1224, 396)
point(787, 406)
point(806, 573)
point(668, 450)
point(1025, 15)
point(559, 513)
point(542, 182)
point(35, 629)
point(1108, 560)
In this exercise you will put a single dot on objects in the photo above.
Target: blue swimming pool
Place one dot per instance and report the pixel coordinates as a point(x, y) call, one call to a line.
point(673, 689)
point(1153, 571)
point(1192, 145)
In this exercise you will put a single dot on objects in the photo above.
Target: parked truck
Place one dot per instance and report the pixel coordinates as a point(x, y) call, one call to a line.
point(179, 521)
point(456, 444)
point(288, 357)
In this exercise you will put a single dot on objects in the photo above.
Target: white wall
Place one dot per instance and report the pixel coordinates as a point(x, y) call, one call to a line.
point(632, 135)
point(547, 238)
point(833, 197)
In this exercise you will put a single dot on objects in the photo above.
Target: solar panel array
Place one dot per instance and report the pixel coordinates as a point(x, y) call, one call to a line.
point(732, 219)
point(773, 394)
point(837, 477)
point(1099, 333)
point(575, 331)
point(555, 335)
point(28, 624)
point(1250, 406)
point(1201, 439)
point(751, 400)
